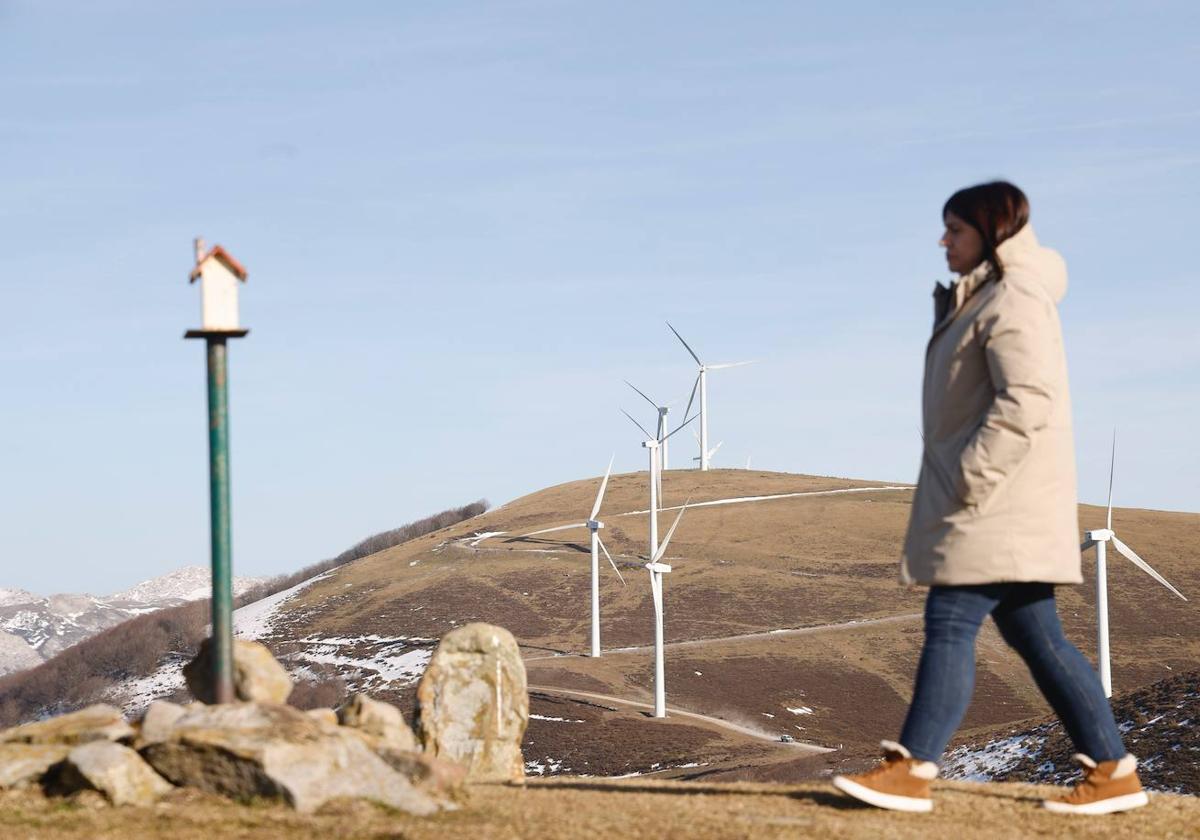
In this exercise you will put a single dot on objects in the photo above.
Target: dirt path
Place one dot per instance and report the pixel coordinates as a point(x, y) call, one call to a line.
point(474, 541)
point(711, 721)
point(737, 500)
point(762, 634)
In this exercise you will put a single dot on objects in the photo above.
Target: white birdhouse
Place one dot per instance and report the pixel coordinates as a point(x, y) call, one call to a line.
point(219, 274)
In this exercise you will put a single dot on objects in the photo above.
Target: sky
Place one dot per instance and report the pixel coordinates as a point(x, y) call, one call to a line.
point(465, 224)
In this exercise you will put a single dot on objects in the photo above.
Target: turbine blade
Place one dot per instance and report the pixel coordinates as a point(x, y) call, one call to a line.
point(713, 451)
point(639, 425)
point(610, 560)
point(603, 484)
point(681, 425)
point(662, 548)
point(685, 344)
point(1111, 466)
point(732, 364)
point(692, 398)
point(643, 395)
point(1143, 565)
point(558, 528)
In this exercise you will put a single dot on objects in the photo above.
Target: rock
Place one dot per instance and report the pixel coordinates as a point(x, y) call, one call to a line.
point(115, 770)
point(26, 764)
point(257, 677)
point(383, 720)
point(247, 750)
point(473, 704)
point(327, 718)
point(158, 721)
point(95, 723)
point(439, 777)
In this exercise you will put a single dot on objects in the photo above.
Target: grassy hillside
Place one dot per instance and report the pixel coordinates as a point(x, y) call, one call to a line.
point(134, 649)
point(822, 563)
point(1158, 726)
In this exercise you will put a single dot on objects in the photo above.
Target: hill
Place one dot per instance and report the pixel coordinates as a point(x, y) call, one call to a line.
point(141, 657)
point(783, 617)
point(1157, 722)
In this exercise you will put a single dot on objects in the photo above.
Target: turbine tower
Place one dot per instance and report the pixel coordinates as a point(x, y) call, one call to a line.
point(1099, 539)
point(594, 525)
point(657, 569)
point(702, 384)
point(652, 445)
point(660, 433)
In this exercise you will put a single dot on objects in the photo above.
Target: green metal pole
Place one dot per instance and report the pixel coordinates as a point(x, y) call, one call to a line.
point(222, 543)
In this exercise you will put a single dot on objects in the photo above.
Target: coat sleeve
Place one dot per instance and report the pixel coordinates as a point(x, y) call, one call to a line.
point(1021, 341)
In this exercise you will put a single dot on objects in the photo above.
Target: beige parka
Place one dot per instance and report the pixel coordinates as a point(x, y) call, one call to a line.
point(996, 498)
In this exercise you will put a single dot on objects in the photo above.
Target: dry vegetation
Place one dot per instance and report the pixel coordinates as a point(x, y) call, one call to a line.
point(826, 563)
point(135, 648)
point(585, 808)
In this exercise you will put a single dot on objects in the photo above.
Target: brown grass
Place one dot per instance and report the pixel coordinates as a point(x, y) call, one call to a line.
point(565, 809)
point(798, 562)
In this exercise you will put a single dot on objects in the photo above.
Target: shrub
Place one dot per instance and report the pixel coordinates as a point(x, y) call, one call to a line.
point(137, 647)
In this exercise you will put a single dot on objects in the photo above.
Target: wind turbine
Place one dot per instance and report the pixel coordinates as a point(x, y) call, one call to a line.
point(652, 444)
point(1099, 540)
point(711, 452)
point(657, 569)
point(593, 525)
point(660, 433)
point(702, 384)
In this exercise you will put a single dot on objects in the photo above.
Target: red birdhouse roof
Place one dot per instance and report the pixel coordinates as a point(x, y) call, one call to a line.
point(224, 256)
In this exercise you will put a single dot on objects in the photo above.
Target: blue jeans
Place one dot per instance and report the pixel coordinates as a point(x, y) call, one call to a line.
point(1026, 616)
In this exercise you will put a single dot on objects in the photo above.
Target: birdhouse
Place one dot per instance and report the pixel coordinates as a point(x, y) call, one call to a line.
point(219, 274)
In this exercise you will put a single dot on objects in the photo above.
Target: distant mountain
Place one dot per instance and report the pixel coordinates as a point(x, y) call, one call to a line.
point(34, 628)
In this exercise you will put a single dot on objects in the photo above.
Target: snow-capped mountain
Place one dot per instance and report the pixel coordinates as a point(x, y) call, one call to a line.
point(34, 628)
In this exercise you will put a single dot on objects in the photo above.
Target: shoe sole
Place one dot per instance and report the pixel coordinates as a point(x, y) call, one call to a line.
point(1101, 806)
point(889, 801)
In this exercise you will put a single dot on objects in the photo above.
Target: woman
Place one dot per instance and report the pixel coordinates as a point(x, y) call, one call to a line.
point(994, 517)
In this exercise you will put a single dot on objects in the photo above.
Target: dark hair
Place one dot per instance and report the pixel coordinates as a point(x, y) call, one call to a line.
point(997, 210)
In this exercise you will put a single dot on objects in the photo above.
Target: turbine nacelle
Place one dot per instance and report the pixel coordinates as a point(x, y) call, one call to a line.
point(1100, 535)
point(661, 568)
point(594, 525)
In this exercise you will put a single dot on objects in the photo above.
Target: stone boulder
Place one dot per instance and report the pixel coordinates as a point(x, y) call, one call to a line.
point(26, 764)
point(382, 720)
point(158, 721)
point(247, 750)
point(257, 677)
point(438, 777)
point(95, 723)
point(327, 718)
point(115, 770)
point(473, 703)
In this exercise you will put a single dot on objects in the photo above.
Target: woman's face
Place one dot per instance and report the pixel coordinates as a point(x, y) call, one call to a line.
point(963, 244)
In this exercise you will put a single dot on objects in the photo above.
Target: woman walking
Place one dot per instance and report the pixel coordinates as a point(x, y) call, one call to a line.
point(993, 527)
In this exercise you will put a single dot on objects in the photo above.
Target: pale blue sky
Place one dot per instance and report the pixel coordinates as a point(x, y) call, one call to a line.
point(465, 223)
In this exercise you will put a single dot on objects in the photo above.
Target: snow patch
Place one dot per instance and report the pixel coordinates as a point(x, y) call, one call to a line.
point(254, 621)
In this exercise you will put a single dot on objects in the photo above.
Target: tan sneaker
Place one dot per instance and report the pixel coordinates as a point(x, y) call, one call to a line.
point(900, 783)
point(1107, 787)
